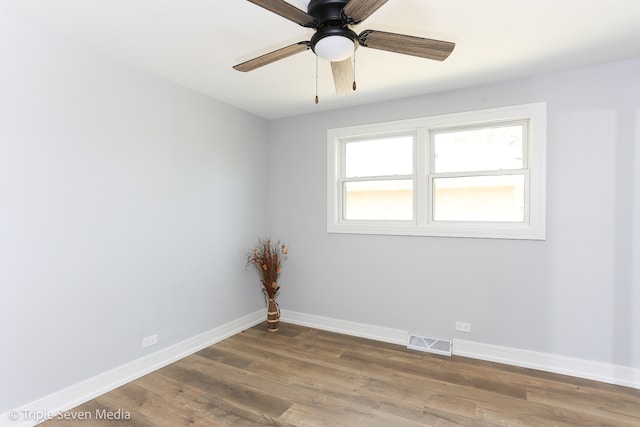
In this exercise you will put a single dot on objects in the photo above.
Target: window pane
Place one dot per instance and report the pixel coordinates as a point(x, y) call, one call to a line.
point(378, 200)
point(378, 157)
point(479, 149)
point(479, 198)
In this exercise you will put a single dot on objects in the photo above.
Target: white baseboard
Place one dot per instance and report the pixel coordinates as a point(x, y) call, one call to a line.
point(591, 370)
point(574, 367)
point(363, 330)
point(63, 400)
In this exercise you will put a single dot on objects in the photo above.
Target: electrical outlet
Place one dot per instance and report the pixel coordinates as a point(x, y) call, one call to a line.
point(149, 341)
point(463, 327)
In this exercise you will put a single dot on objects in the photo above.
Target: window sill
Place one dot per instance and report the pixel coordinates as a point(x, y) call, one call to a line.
point(515, 232)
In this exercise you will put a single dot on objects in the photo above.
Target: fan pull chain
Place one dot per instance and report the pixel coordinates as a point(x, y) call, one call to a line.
point(354, 68)
point(316, 79)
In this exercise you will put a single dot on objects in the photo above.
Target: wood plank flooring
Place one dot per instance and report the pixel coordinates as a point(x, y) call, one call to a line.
point(307, 377)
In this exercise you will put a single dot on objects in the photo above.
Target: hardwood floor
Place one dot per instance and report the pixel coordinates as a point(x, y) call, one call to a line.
point(306, 377)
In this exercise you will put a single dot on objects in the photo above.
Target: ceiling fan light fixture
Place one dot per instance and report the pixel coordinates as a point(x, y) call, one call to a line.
point(334, 48)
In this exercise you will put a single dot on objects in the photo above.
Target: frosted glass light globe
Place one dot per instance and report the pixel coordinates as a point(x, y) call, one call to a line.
point(334, 48)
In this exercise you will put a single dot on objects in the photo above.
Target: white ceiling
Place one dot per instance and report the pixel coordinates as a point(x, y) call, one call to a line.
point(196, 42)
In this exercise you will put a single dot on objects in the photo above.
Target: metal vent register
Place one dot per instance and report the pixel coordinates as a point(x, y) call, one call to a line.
point(430, 345)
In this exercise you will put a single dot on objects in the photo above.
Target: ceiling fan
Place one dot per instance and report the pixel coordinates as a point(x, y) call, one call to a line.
point(336, 42)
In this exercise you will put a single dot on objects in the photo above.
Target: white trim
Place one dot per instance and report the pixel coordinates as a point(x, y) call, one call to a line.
point(82, 392)
point(423, 225)
point(70, 397)
point(587, 369)
point(598, 371)
point(363, 330)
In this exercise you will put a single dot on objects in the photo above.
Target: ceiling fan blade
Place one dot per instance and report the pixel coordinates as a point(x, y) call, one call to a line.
point(408, 45)
point(342, 76)
point(288, 11)
point(270, 57)
point(357, 11)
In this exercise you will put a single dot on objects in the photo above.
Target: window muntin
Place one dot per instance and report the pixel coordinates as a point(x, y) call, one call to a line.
point(495, 190)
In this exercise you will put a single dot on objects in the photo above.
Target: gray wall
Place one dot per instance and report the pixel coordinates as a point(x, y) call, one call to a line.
point(125, 206)
point(575, 294)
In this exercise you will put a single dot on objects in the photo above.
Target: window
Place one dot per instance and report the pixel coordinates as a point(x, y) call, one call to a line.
point(475, 174)
point(478, 173)
point(379, 178)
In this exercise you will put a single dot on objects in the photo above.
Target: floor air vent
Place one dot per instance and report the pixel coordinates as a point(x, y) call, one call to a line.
point(430, 345)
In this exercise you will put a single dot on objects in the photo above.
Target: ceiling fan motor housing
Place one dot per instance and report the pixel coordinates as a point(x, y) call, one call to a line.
point(326, 10)
point(331, 21)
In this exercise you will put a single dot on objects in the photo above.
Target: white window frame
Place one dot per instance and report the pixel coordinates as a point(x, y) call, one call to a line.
point(412, 176)
point(534, 226)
